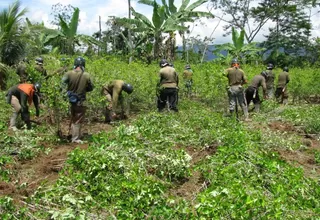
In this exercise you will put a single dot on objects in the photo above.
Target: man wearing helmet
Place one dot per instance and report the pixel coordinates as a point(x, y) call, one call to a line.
point(79, 83)
point(187, 77)
point(270, 80)
point(282, 91)
point(236, 79)
point(22, 70)
point(18, 96)
point(39, 67)
point(64, 66)
point(252, 92)
point(168, 87)
point(113, 93)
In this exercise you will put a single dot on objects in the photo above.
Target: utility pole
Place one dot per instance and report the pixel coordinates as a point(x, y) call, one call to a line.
point(99, 34)
point(129, 33)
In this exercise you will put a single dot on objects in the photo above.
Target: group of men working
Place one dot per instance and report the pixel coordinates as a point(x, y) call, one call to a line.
point(78, 83)
point(238, 95)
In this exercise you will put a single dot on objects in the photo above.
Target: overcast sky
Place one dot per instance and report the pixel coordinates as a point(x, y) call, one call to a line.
point(40, 10)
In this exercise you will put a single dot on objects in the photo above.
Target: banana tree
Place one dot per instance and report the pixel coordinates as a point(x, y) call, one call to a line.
point(238, 48)
point(186, 13)
point(158, 25)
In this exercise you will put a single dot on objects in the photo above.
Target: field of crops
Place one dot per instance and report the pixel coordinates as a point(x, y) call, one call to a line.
point(195, 164)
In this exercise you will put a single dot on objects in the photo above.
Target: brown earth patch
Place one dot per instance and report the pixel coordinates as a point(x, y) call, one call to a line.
point(303, 158)
point(28, 175)
point(44, 169)
point(190, 187)
point(281, 126)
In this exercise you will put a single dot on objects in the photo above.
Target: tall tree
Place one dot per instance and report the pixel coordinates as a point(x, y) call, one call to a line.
point(237, 13)
point(11, 37)
point(156, 27)
point(292, 24)
point(186, 13)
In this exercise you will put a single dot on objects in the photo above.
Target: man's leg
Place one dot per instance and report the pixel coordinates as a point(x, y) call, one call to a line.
point(16, 108)
point(108, 113)
point(77, 114)
point(161, 102)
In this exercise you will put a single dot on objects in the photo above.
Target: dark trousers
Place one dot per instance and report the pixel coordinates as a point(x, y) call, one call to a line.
point(252, 95)
point(170, 95)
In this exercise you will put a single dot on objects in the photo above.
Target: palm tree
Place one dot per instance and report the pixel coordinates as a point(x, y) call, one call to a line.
point(11, 39)
point(11, 36)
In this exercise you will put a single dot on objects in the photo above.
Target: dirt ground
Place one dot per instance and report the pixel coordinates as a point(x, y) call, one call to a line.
point(190, 187)
point(303, 158)
point(28, 175)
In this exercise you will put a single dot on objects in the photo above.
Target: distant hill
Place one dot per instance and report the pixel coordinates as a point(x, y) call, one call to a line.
point(209, 55)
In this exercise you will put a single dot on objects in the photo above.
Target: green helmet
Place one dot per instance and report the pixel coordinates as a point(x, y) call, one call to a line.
point(270, 66)
point(128, 88)
point(163, 63)
point(37, 86)
point(39, 60)
point(79, 61)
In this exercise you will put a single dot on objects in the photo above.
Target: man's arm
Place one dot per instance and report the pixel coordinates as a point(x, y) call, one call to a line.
point(36, 104)
point(264, 87)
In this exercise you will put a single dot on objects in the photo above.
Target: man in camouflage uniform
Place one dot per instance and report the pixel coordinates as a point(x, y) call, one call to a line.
point(79, 83)
point(113, 93)
point(270, 81)
point(22, 70)
point(167, 87)
point(19, 96)
point(187, 77)
point(252, 92)
point(282, 90)
point(64, 66)
point(236, 79)
point(39, 67)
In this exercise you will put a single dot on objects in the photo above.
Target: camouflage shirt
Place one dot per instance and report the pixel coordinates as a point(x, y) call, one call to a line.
point(187, 74)
point(257, 81)
point(235, 76)
point(168, 77)
point(283, 79)
point(270, 79)
point(41, 70)
point(114, 88)
point(71, 78)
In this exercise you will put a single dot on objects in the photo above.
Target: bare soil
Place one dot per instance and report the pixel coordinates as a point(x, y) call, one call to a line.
point(303, 158)
point(190, 187)
point(28, 175)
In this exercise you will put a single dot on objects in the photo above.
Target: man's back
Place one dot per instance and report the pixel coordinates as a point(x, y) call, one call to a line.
point(258, 80)
point(77, 81)
point(168, 77)
point(235, 76)
point(283, 79)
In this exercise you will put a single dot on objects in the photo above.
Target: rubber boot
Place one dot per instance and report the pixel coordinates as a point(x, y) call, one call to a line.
point(246, 113)
point(13, 121)
point(285, 101)
point(75, 132)
point(257, 108)
point(107, 117)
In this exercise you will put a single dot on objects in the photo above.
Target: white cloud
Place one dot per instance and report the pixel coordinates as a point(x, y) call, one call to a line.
point(39, 10)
